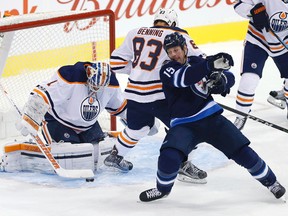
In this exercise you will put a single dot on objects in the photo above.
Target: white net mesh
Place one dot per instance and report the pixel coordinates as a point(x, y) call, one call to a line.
point(38, 50)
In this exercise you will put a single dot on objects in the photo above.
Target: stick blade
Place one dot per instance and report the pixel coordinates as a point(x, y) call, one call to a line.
point(82, 173)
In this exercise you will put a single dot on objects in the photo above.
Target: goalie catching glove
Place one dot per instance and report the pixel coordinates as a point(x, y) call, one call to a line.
point(33, 115)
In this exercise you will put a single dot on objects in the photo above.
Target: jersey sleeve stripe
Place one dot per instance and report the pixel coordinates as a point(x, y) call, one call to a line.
point(120, 109)
point(42, 95)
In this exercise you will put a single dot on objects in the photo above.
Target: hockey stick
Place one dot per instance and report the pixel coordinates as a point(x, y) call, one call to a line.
point(82, 173)
point(254, 118)
point(278, 38)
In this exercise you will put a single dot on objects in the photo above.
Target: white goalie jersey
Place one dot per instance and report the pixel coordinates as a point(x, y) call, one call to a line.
point(72, 104)
point(278, 22)
point(141, 56)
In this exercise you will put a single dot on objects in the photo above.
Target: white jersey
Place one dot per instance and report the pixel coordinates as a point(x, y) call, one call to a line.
point(277, 11)
point(72, 104)
point(141, 56)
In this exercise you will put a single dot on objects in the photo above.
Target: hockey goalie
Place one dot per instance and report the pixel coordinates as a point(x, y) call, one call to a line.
point(64, 112)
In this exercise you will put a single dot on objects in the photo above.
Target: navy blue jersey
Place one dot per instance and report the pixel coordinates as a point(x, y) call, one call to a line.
point(186, 91)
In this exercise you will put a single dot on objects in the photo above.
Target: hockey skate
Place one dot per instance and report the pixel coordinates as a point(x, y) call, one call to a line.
point(240, 122)
point(151, 195)
point(191, 174)
point(277, 99)
point(277, 190)
point(117, 161)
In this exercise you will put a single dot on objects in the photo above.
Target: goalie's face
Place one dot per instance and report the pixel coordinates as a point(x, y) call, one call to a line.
point(98, 75)
point(178, 54)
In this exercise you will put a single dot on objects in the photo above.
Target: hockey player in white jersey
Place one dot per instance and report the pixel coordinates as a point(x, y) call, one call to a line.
point(68, 105)
point(142, 52)
point(266, 36)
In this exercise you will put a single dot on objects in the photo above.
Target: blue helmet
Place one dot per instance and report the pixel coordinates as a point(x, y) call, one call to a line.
point(173, 40)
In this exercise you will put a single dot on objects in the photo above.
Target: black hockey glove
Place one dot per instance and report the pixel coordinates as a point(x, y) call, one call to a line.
point(217, 84)
point(260, 17)
point(219, 62)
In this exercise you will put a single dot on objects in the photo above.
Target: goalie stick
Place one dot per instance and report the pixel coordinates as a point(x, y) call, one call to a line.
point(82, 173)
point(254, 118)
point(88, 174)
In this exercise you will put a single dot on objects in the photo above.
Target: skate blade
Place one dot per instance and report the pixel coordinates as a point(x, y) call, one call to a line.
point(283, 199)
point(186, 179)
point(278, 103)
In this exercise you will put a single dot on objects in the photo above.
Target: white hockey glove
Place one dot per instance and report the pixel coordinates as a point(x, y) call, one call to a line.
point(219, 62)
point(33, 115)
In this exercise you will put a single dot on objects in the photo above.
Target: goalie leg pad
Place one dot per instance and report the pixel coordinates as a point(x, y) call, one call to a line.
point(26, 156)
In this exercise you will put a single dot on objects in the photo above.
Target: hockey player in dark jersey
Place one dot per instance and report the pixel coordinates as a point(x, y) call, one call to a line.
point(188, 83)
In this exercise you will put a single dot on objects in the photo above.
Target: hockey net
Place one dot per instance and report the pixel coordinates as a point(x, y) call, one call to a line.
point(34, 46)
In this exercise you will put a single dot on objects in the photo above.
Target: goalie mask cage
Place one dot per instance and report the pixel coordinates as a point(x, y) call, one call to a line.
point(34, 46)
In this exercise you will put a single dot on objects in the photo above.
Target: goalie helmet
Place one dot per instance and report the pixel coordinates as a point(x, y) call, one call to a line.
point(173, 40)
point(167, 15)
point(98, 75)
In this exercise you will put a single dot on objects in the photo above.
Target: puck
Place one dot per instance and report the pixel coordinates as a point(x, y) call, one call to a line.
point(89, 179)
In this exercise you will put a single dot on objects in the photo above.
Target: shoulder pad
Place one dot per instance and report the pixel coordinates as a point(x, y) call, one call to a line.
point(73, 73)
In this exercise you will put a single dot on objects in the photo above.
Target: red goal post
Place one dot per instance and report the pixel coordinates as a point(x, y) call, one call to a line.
point(34, 46)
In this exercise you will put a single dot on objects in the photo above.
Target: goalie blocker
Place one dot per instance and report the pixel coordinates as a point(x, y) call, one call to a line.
point(26, 156)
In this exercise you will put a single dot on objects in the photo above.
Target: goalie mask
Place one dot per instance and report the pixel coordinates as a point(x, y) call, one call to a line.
point(167, 15)
point(98, 75)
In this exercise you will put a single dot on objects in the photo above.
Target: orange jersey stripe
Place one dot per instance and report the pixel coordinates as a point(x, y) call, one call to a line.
point(158, 86)
point(120, 108)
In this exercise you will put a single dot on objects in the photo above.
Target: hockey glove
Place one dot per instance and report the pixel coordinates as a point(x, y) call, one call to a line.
point(217, 84)
point(260, 17)
point(33, 115)
point(219, 62)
